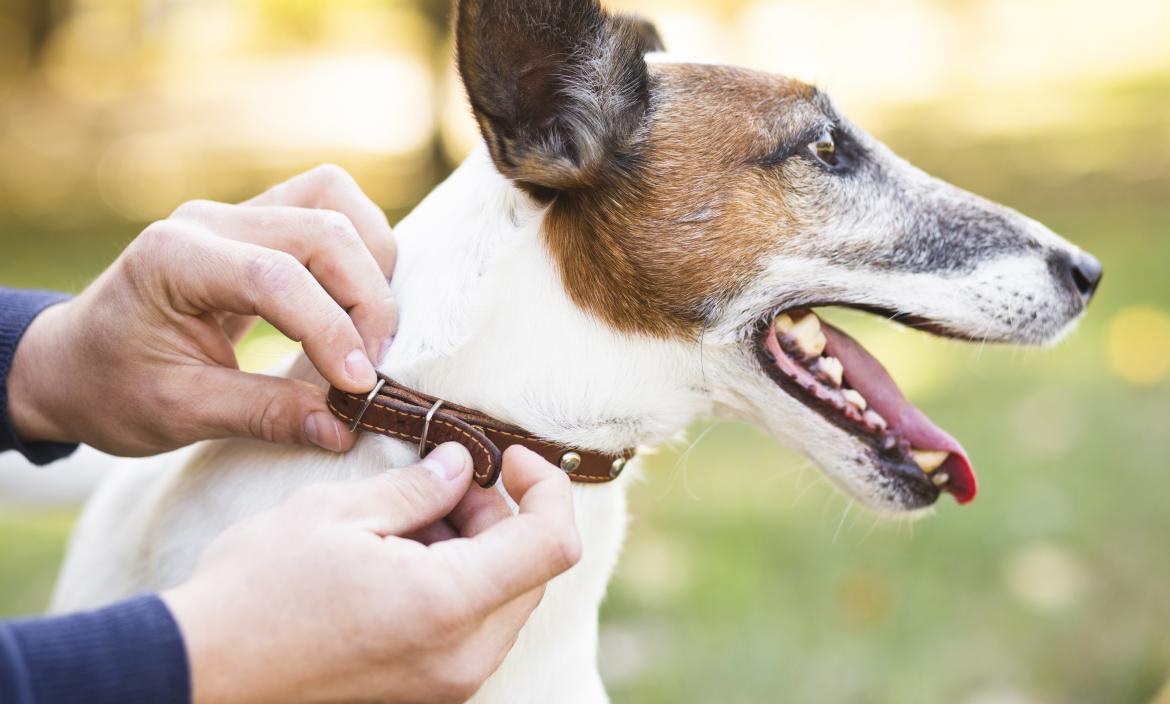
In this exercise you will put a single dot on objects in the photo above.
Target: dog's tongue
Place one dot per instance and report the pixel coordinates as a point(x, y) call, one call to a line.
point(864, 373)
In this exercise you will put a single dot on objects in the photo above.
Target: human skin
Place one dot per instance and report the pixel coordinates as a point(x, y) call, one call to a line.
point(321, 598)
point(143, 360)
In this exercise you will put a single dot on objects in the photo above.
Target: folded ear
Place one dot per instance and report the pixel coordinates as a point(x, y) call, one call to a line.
point(559, 87)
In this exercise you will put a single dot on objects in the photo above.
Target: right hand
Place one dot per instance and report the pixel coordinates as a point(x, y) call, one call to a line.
point(320, 600)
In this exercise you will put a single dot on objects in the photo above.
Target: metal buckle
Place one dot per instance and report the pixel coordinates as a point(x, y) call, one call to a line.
point(353, 424)
point(422, 441)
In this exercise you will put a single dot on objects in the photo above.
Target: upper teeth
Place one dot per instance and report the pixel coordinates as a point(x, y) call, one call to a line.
point(783, 323)
point(809, 337)
point(929, 460)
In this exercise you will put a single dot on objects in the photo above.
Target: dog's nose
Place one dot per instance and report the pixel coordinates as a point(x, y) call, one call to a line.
point(1086, 274)
point(1080, 272)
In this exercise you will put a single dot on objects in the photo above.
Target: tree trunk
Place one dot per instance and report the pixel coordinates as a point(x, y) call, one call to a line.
point(42, 19)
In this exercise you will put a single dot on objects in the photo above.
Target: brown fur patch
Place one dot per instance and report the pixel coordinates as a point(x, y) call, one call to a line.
point(661, 243)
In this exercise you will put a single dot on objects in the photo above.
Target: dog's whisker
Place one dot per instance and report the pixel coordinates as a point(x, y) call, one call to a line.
point(841, 523)
point(681, 464)
point(874, 521)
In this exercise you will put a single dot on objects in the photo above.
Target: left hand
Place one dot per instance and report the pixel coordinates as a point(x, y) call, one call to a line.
point(143, 360)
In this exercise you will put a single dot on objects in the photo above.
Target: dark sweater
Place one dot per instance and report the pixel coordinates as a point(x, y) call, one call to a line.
point(127, 653)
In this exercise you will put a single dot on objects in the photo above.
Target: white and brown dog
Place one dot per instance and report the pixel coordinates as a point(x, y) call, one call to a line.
point(637, 246)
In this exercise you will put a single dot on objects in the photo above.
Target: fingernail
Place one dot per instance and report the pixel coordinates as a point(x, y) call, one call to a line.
point(447, 461)
point(358, 366)
point(385, 349)
point(321, 430)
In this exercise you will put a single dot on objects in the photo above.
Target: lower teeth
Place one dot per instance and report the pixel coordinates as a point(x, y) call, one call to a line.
point(929, 460)
point(854, 396)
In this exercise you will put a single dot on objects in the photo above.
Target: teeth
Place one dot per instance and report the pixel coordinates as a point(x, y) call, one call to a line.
point(832, 368)
point(854, 396)
point(875, 420)
point(808, 336)
point(940, 478)
point(929, 460)
point(783, 323)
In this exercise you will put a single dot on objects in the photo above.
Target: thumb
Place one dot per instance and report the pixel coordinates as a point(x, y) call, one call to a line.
point(401, 501)
point(238, 404)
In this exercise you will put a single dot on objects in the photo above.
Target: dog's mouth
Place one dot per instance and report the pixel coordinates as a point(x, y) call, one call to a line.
point(832, 374)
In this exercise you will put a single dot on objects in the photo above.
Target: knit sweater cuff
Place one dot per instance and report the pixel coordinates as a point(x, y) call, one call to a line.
point(18, 308)
point(126, 653)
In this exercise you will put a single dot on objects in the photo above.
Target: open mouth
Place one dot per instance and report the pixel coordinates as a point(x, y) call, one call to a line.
point(835, 376)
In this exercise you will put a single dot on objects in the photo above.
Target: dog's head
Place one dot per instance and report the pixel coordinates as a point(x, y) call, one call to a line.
point(717, 206)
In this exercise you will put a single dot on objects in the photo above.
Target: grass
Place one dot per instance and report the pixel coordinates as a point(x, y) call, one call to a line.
point(747, 579)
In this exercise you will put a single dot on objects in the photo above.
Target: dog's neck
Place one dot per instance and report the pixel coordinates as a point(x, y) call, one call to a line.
point(485, 322)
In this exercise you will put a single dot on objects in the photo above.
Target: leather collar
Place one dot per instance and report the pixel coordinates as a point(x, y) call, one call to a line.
point(398, 412)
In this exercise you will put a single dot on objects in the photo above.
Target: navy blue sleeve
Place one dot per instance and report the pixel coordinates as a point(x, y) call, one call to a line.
point(17, 310)
point(128, 653)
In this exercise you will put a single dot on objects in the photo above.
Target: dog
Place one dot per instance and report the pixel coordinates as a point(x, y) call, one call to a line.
point(637, 244)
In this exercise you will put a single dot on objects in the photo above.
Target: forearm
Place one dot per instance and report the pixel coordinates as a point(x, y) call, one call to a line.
point(130, 652)
point(18, 414)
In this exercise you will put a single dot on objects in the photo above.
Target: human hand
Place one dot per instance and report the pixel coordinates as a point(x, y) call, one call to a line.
point(143, 360)
point(318, 600)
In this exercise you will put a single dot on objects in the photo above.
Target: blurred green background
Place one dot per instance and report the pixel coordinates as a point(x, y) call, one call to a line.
point(746, 578)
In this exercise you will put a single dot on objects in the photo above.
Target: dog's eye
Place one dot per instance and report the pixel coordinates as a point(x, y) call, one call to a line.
point(824, 149)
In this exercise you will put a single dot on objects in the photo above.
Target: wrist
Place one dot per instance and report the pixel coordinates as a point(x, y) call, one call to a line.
point(34, 380)
point(198, 630)
point(225, 659)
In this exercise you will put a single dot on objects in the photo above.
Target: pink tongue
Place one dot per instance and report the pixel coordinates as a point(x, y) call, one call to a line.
point(864, 373)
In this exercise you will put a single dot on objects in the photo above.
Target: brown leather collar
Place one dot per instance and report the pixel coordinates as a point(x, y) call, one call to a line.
point(398, 412)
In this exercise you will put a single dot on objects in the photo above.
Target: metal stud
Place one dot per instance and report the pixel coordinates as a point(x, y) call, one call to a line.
point(616, 468)
point(570, 461)
point(940, 478)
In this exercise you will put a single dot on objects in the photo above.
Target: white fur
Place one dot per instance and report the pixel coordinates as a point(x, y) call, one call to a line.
point(485, 322)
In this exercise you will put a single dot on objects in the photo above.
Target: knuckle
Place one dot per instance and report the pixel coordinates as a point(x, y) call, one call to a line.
point(159, 242)
point(272, 272)
point(330, 176)
point(192, 210)
point(563, 548)
point(267, 421)
point(156, 236)
point(337, 227)
point(163, 395)
point(407, 491)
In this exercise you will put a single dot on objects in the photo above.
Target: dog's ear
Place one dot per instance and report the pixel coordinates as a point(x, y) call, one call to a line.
point(559, 87)
point(647, 33)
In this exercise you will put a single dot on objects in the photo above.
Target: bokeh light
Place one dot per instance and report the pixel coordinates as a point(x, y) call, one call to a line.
point(746, 577)
point(1139, 344)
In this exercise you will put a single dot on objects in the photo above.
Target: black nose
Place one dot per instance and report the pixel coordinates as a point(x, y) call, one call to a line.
point(1086, 274)
point(1078, 272)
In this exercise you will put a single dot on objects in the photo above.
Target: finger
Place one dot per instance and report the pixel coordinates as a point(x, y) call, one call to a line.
point(237, 327)
point(230, 403)
point(434, 533)
point(498, 632)
point(523, 551)
point(404, 500)
point(325, 242)
point(332, 188)
point(479, 510)
point(211, 274)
